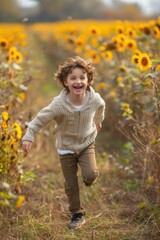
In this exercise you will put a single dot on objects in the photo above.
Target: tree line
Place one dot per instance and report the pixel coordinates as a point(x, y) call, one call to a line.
point(53, 10)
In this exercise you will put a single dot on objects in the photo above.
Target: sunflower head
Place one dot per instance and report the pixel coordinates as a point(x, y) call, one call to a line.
point(144, 62)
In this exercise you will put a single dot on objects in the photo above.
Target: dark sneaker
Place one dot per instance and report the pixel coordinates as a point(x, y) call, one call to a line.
point(88, 185)
point(77, 220)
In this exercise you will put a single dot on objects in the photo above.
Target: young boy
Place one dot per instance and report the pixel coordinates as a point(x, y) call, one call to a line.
point(78, 112)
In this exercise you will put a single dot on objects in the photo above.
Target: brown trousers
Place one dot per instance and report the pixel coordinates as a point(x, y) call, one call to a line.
point(69, 163)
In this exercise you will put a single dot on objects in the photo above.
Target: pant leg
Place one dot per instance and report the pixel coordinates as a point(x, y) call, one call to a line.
point(88, 165)
point(70, 169)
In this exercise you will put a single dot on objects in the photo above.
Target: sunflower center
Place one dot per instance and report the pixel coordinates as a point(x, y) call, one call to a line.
point(3, 44)
point(144, 61)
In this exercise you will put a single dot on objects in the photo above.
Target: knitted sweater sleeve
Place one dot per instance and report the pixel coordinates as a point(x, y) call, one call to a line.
point(100, 113)
point(43, 117)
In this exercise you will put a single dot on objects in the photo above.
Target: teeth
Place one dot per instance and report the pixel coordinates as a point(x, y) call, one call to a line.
point(78, 87)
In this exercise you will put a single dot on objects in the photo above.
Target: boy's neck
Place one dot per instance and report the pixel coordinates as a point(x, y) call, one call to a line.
point(78, 100)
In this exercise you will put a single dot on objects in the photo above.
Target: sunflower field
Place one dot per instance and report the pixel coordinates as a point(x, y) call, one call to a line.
point(127, 58)
point(13, 85)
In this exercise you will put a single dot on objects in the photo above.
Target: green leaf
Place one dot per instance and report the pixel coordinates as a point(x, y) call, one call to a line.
point(142, 205)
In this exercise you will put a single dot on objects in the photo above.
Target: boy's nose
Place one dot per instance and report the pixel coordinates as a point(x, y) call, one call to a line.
point(78, 80)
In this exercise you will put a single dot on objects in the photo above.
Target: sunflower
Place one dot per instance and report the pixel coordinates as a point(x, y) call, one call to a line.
point(131, 44)
point(125, 107)
point(121, 37)
point(94, 31)
point(80, 41)
point(102, 85)
point(22, 96)
point(93, 54)
point(107, 55)
point(1, 167)
point(158, 68)
point(120, 29)
point(112, 94)
point(121, 46)
point(122, 68)
point(135, 59)
point(73, 31)
point(130, 32)
point(137, 52)
point(4, 125)
point(20, 201)
point(17, 129)
point(18, 57)
point(146, 30)
point(144, 62)
point(156, 32)
point(4, 43)
point(114, 40)
point(12, 51)
point(147, 83)
point(101, 48)
point(119, 79)
point(94, 42)
point(5, 115)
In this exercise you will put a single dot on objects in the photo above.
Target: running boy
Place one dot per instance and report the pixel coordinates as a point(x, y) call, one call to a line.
point(78, 112)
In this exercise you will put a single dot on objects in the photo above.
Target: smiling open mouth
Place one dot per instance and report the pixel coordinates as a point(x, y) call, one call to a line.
point(78, 87)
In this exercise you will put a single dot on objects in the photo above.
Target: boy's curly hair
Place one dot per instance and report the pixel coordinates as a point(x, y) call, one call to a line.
point(77, 62)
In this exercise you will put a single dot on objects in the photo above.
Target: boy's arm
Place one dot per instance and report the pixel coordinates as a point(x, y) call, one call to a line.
point(99, 116)
point(43, 118)
point(26, 145)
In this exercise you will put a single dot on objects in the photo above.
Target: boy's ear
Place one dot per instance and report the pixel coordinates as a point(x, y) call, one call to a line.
point(65, 83)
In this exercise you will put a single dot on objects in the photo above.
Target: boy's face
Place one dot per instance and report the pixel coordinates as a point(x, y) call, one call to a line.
point(77, 81)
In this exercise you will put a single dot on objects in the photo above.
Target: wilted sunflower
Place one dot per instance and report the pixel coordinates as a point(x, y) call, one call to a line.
point(144, 62)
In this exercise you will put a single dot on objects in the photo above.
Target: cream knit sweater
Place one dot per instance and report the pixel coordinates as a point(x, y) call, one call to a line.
point(75, 130)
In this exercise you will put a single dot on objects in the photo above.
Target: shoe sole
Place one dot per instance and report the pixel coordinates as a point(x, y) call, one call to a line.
point(77, 227)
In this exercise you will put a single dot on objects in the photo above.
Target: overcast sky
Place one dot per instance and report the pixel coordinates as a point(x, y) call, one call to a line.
point(27, 3)
point(144, 4)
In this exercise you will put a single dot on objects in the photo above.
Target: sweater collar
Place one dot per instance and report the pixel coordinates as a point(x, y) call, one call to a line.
point(68, 105)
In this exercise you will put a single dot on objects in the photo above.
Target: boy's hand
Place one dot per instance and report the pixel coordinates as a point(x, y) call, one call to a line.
point(98, 126)
point(26, 145)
